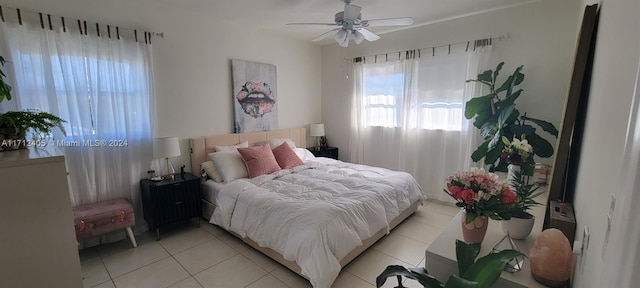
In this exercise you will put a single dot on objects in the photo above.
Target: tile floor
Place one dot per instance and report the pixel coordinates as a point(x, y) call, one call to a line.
point(208, 257)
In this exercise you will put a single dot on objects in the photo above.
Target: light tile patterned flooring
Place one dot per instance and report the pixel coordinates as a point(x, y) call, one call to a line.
point(208, 257)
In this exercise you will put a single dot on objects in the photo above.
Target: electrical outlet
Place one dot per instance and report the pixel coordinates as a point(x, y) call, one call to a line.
point(585, 245)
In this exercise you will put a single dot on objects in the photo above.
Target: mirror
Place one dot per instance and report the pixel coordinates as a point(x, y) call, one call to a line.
point(566, 161)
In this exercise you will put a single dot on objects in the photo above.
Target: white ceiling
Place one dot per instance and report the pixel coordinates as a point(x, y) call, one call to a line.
point(272, 15)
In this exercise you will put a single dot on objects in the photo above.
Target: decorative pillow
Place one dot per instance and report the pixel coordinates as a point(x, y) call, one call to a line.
point(286, 157)
point(230, 165)
point(304, 154)
point(259, 160)
point(210, 169)
point(275, 142)
point(244, 144)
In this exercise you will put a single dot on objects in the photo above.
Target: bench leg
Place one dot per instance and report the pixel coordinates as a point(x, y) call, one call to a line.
point(131, 237)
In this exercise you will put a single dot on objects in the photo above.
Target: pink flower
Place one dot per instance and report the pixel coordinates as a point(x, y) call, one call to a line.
point(456, 191)
point(469, 196)
point(508, 197)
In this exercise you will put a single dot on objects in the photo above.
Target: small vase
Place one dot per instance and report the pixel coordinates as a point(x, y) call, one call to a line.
point(511, 176)
point(517, 228)
point(475, 231)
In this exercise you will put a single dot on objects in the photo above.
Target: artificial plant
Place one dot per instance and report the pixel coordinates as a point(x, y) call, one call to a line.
point(496, 116)
point(472, 274)
point(5, 89)
point(15, 124)
point(525, 195)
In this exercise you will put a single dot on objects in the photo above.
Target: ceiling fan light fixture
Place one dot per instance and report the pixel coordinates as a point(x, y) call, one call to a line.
point(358, 37)
point(351, 12)
point(342, 37)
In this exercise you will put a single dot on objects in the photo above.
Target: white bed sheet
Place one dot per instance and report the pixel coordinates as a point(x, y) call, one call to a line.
point(315, 214)
point(210, 190)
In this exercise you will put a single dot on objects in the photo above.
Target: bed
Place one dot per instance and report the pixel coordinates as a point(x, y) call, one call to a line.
point(314, 218)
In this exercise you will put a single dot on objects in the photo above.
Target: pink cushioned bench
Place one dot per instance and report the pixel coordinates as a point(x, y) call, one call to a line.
point(103, 217)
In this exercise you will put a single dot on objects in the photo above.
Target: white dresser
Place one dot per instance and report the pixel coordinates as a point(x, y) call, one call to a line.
point(38, 247)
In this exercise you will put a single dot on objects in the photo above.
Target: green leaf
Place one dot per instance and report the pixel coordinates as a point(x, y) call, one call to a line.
point(512, 81)
point(493, 154)
point(456, 282)
point(546, 126)
point(509, 100)
point(484, 117)
point(478, 105)
point(487, 269)
point(494, 140)
point(486, 76)
point(519, 130)
point(488, 129)
point(541, 147)
point(480, 151)
point(495, 74)
point(466, 253)
point(419, 274)
point(505, 114)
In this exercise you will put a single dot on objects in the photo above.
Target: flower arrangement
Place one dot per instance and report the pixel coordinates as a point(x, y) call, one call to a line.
point(481, 194)
point(516, 152)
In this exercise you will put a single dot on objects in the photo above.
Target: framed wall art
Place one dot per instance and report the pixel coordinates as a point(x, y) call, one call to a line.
point(254, 96)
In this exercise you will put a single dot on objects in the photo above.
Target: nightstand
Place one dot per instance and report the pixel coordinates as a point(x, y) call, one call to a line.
point(168, 201)
point(330, 152)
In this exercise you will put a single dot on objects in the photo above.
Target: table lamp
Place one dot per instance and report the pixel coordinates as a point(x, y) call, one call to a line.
point(317, 130)
point(166, 147)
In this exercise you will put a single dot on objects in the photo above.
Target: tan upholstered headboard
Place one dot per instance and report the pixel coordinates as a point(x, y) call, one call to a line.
point(202, 146)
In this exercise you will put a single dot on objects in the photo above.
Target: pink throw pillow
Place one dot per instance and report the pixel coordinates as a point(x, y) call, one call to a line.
point(286, 157)
point(259, 160)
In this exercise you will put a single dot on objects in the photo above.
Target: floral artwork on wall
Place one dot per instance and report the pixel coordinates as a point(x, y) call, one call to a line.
point(254, 96)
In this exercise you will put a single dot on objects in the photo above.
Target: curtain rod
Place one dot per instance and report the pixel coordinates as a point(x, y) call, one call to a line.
point(432, 48)
point(62, 18)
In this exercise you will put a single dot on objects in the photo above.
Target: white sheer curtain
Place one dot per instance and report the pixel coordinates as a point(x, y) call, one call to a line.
point(408, 114)
point(102, 87)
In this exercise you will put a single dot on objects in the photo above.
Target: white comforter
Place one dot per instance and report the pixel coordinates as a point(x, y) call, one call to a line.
point(316, 213)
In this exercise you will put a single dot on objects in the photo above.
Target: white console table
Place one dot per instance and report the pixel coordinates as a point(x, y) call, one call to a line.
point(441, 254)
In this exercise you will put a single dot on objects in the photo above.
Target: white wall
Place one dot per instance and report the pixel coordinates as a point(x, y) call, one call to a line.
point(612, 85)
point(542, 37)
point(192, 64)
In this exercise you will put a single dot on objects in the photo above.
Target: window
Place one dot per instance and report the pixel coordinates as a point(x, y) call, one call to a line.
point(383, 97)
point(432, 98)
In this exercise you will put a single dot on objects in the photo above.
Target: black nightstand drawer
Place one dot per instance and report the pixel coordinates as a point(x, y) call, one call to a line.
point(329, 152)
point(169, 201)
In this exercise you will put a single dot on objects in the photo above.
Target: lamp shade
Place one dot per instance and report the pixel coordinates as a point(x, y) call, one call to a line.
point(317, 129)
point(166, 147)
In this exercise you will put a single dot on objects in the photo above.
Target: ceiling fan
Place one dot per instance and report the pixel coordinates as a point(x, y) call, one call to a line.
point(351, 25)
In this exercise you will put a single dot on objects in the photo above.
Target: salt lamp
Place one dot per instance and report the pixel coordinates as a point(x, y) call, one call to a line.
point(550, 258)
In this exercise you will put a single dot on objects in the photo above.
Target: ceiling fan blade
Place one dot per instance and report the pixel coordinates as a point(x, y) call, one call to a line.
point(368, 35)
point(325, 35)
point(323, 24)
point(351, 12)
point(388, 22)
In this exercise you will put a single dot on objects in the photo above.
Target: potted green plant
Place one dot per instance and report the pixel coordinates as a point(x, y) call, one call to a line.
point(14, 125)
point(496, 116)
point(471, 273)
point(5, 89)
point(520, 224)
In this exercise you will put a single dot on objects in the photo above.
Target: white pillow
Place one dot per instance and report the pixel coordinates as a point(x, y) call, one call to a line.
point(275, 142)
point(304, 154)
point(230, 165)
point(244, 144)
point(210, 169)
